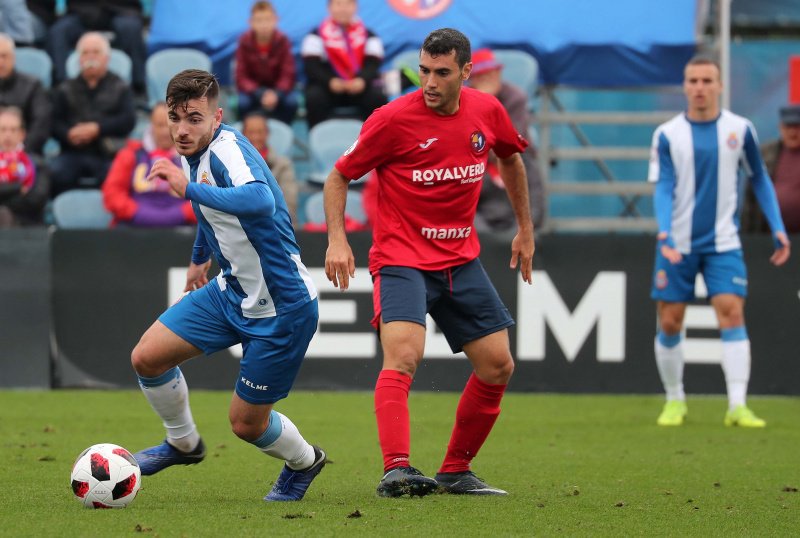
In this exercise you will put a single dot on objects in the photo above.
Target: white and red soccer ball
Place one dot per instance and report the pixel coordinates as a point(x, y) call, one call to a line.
point(105, 476)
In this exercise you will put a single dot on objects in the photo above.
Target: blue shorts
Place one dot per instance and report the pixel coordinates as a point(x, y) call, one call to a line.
point(461, 300)
point(273, 347)
point(723, 272)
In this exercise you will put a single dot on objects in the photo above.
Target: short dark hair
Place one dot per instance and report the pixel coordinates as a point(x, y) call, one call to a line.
point(444, 40)
point(704, 59)
point(191, 84)
point(262, 5)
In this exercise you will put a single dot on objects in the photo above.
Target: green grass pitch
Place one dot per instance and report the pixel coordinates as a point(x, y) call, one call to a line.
point(574, 466)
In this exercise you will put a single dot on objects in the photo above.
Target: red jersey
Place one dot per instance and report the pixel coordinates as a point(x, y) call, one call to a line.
point(429, 170)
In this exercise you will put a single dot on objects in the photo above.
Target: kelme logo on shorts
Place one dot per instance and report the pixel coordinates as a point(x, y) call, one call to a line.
point(252, 385)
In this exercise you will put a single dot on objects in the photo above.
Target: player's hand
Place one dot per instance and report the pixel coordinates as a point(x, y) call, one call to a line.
point(336, 85)
point(522, 247)
point(197, 276)
point(355, 86)
point(340, 265)
point(667, 250)
point(168, 170)
point(782, 251)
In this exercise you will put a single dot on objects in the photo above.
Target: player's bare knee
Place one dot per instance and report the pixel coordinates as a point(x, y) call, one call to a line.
point(246, 431)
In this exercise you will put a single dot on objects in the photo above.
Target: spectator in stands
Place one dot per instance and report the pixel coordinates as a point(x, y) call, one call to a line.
point(26, 93)
point(22, 193)
point(265, 70)
point(16, 21)
point(342, 59)
point(92, 115)
point(256, 129)
point(494, 209)
point(122, 17)
point(129, 196)
point(782, 160)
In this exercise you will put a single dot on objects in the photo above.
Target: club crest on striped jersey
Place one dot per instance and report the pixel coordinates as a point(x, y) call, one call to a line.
point(733, 141)
point(204, 178)
point(478, 141)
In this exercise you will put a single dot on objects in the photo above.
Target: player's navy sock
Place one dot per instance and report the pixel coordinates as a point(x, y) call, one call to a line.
point(669, 359)
point(736, 364)
point(391, 412)
point(476, 414)
point(168, 395)
point(282, 440)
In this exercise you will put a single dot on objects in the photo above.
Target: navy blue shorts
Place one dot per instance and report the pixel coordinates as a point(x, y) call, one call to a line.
point(273, 348)
point(461, 300)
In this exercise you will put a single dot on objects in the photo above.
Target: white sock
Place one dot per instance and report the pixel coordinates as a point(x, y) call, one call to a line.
point(168, 395)
point(282, 440)
point(670, 367)
point(736, 366)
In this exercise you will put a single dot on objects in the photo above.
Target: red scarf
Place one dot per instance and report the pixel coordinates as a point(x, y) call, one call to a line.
point(344, 46)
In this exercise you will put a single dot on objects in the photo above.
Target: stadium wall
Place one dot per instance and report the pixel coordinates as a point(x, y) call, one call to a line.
point(586, 325)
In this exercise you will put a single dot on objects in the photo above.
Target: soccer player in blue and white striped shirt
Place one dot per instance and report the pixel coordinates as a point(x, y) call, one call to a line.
point(263, 297)
point(695, 162)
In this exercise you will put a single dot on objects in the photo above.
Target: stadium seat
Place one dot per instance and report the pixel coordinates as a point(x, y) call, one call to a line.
point(281, 137)
point(81, 209)
point(520, 69)
point(327, 141)
point(315, 210)
point(35, 62)
point(165, 64)
point(407, 58)
point(119, 63)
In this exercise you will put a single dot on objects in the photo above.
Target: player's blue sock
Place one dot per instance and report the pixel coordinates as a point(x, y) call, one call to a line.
point(282, 440)
point(669, 359)
point(168, 395)
point(736, 364)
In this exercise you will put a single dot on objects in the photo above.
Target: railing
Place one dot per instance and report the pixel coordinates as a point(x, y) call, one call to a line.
point(552, 112)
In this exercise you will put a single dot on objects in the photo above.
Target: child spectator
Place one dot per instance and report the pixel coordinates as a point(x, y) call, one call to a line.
point(21, 199)
point(265, 70)
point(129, 196)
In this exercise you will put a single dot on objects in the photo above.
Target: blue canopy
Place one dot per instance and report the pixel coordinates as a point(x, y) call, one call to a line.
point(577, 42)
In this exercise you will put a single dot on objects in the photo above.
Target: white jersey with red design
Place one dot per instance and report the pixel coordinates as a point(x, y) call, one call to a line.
point(429, 170)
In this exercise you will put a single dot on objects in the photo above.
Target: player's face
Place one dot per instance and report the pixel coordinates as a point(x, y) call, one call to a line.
point(192, 124)
point(342, 11)
point(263, 23)
point(441, 81)
point(702, 87)
point(6, 59)
point(11, 132)
point(255, 130)
point(790, 135)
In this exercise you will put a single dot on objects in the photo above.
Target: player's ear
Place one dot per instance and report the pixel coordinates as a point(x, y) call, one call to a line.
point(466, 70)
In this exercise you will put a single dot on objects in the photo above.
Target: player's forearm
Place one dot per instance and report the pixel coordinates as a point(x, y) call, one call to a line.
point(335, 200)
point(201, 252)
point(662, 205)
point(249, 200)
point(768, 200)
point(512, 170)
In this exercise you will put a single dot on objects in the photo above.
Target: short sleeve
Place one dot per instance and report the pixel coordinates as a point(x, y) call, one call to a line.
point(370, 150)
point(507, 140)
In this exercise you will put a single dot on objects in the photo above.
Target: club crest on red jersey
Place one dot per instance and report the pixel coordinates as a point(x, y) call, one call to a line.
point(478, 141)
point(420, 9)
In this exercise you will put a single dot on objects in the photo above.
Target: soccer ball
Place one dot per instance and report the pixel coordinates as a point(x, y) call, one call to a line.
point(105, 476)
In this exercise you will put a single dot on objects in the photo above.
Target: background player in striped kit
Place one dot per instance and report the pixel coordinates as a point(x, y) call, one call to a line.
point(695, 162)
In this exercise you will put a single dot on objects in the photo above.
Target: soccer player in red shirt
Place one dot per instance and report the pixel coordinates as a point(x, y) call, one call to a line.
point(429, 151)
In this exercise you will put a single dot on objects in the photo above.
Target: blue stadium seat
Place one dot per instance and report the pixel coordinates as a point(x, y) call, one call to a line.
point(520, 69)
point(281, 137)
point(81, 209)
point(119, 63)
point(327, 141)
point(165, 64)
point(315, 210)
point(35, 62)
